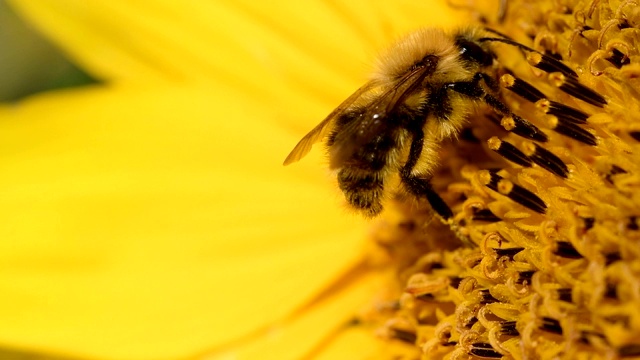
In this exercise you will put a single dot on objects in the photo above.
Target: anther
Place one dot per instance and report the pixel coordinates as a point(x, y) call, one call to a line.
point(509, 152)
point(525, 276)
point(522, 127)
point(484, 350)
point(509, 252)
point(571, 86)
point(485, 215)
point(588, 223)
point(573, 131)
point(551, 325)
point(508, 328)
point(562, 112)
point(486, 297)
point(547, 160)
point(404, 335)
point(522, 88)
point(517, 193)
point(618, 59)
point(629, 350)
point(548, 64)
point(564, 294)
point(565, 249)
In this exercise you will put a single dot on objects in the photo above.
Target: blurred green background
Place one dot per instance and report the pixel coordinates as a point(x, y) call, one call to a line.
point(29, 63)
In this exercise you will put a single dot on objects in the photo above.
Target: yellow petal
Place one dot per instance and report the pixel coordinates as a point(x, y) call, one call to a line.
point(158, 223)
point(155, 222)
point(314, 45)
point(354, 343)
point(304, 334)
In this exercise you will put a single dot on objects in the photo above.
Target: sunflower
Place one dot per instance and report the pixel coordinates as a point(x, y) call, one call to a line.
point(148, 217)
point(550, 266)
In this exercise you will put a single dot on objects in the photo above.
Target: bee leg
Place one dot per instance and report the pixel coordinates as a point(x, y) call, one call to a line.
point(515, 123)
point(421, 187)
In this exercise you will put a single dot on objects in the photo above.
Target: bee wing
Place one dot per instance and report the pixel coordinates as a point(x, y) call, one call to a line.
point(375, 118)
point(321, 130)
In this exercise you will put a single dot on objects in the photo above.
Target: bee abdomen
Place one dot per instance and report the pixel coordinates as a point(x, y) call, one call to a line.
point(362, 189)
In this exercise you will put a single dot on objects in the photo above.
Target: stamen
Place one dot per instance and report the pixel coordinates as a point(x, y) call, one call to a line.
point(562, 112)
point(517, 193)
point(630, 350)
point(571, 86)
point(485, 215)
point(588, 223)
point(471, 322)
point(574, 131)
point(547, 160)
point(618, 59)
point(611, 292)
point(509, 152)
point(551, 325)
point(510, 252)
point(564, 294)
point(550, 65)
point(508, 328)
point(454, 281)
point(404, 335)
point(522, 127)
point(522, 88)
point(612, 257)
point(487, 298)
point(585, 336)
point(484, 350)
point(615, 170)
point(565, 249)
point(525, 276)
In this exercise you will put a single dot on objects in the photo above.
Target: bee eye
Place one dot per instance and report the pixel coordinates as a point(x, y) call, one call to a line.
point(472, 52)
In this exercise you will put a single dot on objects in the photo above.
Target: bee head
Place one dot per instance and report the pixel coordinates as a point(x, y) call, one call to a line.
point(473, 52)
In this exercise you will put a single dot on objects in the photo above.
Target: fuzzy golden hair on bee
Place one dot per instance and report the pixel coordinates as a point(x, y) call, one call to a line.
point(421, 94)
point(393, 63)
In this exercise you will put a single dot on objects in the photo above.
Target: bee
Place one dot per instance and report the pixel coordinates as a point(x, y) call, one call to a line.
point(421, 93)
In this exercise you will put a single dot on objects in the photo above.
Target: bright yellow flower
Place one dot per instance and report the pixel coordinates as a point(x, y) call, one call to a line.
point(150, 218)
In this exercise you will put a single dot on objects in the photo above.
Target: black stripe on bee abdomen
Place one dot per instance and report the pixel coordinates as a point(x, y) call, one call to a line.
point(362, 189)
point(362, 178)
point(373, 156)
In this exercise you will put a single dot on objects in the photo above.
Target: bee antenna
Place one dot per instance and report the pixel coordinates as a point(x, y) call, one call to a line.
point(508, 41)
point(494, 31)
point(543, 62)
